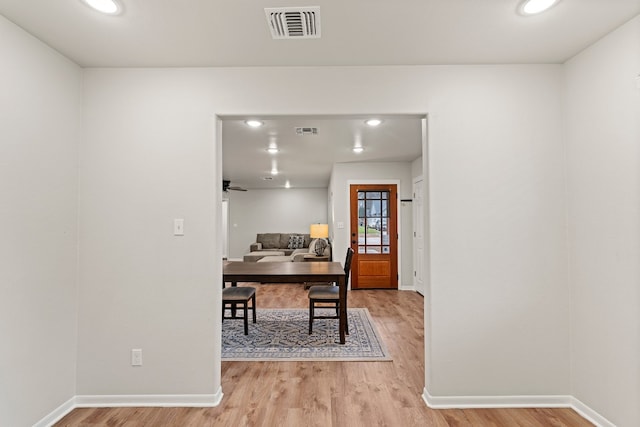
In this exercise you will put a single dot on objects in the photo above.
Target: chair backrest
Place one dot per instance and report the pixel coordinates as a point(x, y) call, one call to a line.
point(347, 265)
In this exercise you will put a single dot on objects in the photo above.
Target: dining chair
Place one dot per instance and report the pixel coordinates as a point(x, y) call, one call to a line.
point(239, 296)
point(323, 294)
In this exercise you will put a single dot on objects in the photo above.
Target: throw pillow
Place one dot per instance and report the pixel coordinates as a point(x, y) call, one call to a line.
point(296, 242)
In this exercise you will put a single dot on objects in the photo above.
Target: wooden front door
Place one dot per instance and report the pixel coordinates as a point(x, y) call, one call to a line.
point(374, 236)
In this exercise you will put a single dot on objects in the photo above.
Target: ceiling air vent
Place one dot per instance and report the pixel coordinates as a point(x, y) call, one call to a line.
point(307, 131)
point(294, 22)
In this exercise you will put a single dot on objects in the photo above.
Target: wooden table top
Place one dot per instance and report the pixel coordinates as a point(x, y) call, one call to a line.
point(282, 271)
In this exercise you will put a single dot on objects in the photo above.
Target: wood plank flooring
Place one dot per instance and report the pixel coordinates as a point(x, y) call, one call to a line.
point(331, 394)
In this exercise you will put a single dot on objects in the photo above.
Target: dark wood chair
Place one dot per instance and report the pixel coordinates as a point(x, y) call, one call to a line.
point(238, 297)
point(323, 296)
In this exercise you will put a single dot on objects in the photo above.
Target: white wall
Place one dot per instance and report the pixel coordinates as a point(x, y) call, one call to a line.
point(148, 156)
point(343, 175)
point(497, 218)
point(290, 210)
point(603, 135)
point(39, 134)
point(498, 286)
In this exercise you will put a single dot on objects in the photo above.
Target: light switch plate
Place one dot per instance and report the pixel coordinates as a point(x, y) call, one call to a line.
point(178, 227)
point(136, 357)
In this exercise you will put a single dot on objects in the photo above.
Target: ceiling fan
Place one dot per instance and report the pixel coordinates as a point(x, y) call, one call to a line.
point(226, 186)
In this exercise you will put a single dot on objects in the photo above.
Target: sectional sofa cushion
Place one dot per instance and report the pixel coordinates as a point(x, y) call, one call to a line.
point(270, 240)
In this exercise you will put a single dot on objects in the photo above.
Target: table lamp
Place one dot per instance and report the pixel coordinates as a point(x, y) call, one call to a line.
point(320, 232)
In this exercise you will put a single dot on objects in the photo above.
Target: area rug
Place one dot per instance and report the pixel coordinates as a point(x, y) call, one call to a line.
point(283, 335)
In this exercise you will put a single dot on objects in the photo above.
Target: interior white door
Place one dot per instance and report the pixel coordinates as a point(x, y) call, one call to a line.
point(225, 229)
point(418, 235)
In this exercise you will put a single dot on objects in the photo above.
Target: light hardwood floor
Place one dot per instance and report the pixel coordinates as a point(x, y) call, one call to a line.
point(337, 394)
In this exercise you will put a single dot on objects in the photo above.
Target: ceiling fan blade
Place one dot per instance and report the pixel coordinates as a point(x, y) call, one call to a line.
point(226, 185)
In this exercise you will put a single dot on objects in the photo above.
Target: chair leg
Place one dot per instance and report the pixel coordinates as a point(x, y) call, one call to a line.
point(346, 324)
point(311, 314)
point(246, 317)
point(253, 307)
point(346, 320)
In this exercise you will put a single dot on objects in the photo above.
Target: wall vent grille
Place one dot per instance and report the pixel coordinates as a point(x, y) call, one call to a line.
point(307, 131)
point(294, 22)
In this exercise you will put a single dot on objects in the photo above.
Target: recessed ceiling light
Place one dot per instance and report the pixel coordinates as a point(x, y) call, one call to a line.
point(532, 7)
point(287, 184)
point(254, 123)
point(272, 150)
point(358, 150)
point(110, 7)
point(274, 171)
point(373, 122)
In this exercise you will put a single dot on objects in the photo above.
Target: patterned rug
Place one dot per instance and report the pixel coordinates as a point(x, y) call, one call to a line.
point(283, 335)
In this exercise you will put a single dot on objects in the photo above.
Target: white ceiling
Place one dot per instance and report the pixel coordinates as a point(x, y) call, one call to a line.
point(186, 33)
point(306, 160)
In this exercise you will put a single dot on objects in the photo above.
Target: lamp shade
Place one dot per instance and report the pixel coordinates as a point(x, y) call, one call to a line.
point(319, 231)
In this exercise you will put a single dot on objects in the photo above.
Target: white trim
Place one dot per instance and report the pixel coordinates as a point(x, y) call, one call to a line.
point(414, 181)
point(152, 400)
point(57, 414)
point(159, 400)
point(589, 414)
point(462, 402)
point(550, 401)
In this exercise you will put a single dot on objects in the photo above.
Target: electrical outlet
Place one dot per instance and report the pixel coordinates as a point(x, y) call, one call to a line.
point(136, 357)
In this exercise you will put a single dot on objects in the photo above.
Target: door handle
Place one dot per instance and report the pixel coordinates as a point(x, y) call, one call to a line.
point(353, 242)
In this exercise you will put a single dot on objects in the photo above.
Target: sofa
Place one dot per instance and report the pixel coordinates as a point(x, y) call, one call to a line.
point(282, 242)
point(294, 247)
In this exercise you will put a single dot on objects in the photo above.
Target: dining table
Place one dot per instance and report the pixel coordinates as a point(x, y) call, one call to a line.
point(291, 272)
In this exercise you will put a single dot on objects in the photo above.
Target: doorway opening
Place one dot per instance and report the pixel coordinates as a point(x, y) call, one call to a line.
point(338, 209)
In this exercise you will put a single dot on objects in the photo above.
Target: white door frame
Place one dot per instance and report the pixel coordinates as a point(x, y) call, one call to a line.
point(418, 234)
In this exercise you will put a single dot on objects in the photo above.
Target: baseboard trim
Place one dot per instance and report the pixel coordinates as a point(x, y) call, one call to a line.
point(469, 402)
point(57, 414)
point(159, 400)
point(589, 414)
point(462, 402)
point(152, 400)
